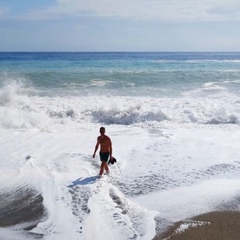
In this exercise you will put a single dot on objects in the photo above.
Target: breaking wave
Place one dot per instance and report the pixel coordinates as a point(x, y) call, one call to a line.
point(19, 109)
point(16, 108)
point(128, 116)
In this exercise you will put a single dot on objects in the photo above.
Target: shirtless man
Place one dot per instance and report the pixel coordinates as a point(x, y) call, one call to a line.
point(105, 150)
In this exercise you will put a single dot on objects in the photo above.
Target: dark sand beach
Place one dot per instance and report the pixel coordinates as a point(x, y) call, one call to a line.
point(222, 225)
point(21, 207)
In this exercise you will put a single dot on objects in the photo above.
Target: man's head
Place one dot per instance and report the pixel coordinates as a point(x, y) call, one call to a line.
point(102, 130)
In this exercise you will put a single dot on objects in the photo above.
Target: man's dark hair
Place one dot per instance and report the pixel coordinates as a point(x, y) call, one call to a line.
point(102, 128)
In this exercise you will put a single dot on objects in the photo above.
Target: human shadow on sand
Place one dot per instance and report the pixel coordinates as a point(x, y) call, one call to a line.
point(83, 181)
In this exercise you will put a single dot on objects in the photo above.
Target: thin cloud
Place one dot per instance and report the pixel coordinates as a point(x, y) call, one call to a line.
point(158, 10)
point(3, 11)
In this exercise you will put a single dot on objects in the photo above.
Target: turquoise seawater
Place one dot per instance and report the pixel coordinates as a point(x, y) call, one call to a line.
point(133, 74)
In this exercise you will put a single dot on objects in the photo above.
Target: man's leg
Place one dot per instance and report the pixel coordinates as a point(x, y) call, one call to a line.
point(106, 167)
point(103, 166)
point(101, 169)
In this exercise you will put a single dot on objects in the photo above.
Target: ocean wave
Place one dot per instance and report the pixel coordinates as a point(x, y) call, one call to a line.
point(128, 116)
point(212, 61)
point(20, 110)
point(62, 113)
point(198, 61)
point(216, 84)
point(224, 119)
point(16, 108)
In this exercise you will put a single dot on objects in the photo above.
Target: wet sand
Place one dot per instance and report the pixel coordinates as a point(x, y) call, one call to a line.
point(222, 225)
point(22, 207)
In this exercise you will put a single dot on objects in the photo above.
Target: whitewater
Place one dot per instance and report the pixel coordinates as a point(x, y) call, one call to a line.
point(176, 143)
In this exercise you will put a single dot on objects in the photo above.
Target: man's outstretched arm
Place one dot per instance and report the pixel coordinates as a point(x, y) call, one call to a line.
point(96, 148)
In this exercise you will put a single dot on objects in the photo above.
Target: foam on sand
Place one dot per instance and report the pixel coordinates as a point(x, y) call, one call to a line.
point(177, 157)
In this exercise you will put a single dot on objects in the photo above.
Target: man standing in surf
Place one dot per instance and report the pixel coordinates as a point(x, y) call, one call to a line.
point(105, 150)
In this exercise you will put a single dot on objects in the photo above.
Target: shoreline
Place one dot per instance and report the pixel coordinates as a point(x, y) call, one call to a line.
point(217, 225)
point(22, 207)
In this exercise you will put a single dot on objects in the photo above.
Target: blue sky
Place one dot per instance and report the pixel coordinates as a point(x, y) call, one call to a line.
point(119, 25)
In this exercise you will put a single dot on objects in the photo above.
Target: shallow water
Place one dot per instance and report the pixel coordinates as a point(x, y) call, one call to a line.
point(173, 119)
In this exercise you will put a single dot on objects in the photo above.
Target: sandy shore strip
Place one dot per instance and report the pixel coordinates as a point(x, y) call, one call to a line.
point(22, 207)
point(223, 225)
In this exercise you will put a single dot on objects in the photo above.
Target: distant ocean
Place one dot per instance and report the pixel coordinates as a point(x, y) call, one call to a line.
point(173, 118)
point(129, 74)
point(195, 85)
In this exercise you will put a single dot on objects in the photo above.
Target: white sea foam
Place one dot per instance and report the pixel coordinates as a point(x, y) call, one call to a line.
point(21, 110)
point(177, 157)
